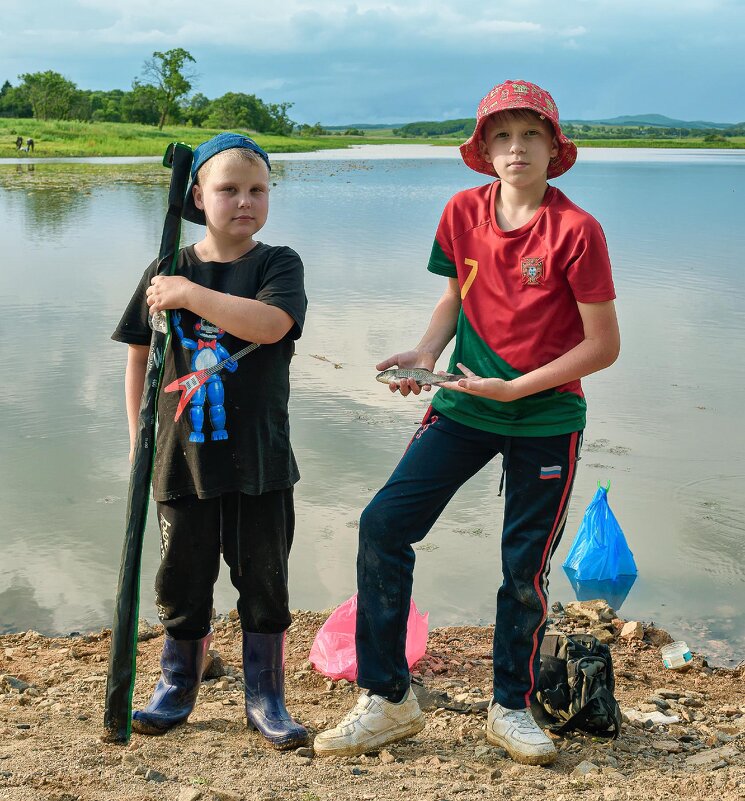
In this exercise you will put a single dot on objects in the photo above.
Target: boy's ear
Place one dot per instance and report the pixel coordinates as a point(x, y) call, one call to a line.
point(483, 150)
point(196, 193)
point(554, 148)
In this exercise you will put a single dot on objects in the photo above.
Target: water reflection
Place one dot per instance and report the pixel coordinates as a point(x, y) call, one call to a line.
point(51, 200)
point(613, 591)
point(20, 609)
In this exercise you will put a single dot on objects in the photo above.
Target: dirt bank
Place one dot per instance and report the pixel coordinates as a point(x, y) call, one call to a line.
point(51, 709)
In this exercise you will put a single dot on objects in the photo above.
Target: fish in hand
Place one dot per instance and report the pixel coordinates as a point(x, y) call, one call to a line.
point(418, 374)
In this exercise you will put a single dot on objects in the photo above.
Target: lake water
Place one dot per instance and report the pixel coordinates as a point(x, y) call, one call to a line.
point(665, 422)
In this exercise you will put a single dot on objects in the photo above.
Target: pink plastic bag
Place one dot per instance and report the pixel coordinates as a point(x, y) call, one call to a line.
point(333, 652)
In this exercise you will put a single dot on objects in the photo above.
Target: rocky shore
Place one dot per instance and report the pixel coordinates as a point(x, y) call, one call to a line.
point(683, 733)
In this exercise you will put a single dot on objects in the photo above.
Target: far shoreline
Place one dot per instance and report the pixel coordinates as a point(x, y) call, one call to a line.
point(43, 139)
point(393, 151)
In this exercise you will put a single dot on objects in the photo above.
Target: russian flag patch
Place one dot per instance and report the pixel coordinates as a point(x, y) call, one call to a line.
point(551, 472)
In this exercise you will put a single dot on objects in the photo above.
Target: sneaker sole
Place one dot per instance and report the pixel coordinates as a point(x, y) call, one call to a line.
point(518, 756)
point(373, 744)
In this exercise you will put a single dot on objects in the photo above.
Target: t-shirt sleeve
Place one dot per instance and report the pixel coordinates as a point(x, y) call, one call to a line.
point(133, 328)
point(589, 271)
point(284, 287)
point(441, 259)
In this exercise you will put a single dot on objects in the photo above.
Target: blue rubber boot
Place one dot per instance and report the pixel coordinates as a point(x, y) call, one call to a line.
point(182, 666)
point(264, 677)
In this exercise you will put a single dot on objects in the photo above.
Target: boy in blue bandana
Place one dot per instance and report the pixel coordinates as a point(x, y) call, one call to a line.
point(224, 473)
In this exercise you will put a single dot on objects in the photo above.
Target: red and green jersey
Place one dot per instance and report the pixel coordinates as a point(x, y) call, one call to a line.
point(519, 292)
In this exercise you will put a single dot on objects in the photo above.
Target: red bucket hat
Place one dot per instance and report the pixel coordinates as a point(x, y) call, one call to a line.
point(517, 95)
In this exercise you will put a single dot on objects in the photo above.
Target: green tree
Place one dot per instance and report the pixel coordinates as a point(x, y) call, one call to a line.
point(196, 110)
point(169, 74)
point(107, 106)
point(79, 107)
point(50, 94)
point(460, 128)
point(239, 110)
point(13, 102)
point(281, 123)
point(312, 130)
point(141, 105)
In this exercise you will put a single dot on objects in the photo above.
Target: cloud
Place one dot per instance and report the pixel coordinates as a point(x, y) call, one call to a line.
point(296, 26)
point(373, 61)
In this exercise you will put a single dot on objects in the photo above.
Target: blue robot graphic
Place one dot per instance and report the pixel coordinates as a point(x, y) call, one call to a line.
point(207, 353)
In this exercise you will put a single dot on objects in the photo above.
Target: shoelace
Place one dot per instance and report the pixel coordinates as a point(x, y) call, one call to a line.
point(354, 714)
point(522, 720)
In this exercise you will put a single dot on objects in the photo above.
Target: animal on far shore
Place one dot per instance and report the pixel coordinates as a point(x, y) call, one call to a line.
point(29, 144)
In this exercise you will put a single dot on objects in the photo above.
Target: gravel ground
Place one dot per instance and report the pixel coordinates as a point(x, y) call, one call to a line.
point(51, 712)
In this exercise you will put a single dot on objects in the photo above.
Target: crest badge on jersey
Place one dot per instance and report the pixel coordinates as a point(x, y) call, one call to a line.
point(532, 271)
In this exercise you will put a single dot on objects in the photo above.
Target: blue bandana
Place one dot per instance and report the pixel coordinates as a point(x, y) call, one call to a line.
point(205, 151)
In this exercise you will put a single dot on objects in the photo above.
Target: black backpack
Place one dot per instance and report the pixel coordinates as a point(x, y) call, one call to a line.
point(576, 684)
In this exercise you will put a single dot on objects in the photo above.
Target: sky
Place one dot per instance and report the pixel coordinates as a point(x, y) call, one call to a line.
point(342, 62)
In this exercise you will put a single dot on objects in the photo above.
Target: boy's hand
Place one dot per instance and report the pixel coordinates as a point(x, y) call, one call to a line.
point(409, 358)
point(472, 384)
point(168, 292)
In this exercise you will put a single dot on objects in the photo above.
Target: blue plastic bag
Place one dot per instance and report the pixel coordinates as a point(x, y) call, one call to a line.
point(613, 591)
point(599, 551)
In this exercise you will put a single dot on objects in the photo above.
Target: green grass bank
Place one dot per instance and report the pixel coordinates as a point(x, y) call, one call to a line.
point(63, 138)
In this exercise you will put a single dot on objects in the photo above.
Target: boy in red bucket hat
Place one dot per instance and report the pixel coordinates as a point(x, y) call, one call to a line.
point(529, 301)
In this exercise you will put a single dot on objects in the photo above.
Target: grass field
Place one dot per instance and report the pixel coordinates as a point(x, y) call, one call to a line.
point(730, 143)
point(60, 138)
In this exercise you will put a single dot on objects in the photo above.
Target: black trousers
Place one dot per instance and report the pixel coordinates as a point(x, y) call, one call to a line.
point(254, 534)
point(441, 457)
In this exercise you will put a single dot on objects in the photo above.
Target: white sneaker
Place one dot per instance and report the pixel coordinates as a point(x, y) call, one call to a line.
point(516, 731)
point(373, 723)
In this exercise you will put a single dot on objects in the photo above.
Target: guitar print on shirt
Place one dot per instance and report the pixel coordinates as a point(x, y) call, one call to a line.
point(209, 357)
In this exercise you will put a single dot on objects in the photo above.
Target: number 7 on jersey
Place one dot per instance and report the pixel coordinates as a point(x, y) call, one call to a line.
point(474, 265)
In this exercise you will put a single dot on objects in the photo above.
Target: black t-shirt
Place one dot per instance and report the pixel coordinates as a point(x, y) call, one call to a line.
point(249, 450)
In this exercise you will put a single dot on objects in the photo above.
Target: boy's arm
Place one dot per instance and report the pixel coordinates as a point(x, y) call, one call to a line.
point(440, 331)
point(134, 383)
point(599, 349)
point(247, 319)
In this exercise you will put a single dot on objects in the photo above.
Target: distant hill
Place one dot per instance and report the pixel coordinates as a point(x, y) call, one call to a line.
point(362, 127)
point(464, 127)
point(654, 120)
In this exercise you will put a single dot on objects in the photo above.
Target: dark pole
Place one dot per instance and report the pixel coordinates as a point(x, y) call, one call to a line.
point(122, 657)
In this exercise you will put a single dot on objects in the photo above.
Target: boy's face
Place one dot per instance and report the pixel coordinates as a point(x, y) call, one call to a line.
point(234, 195)
point(519, 146)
